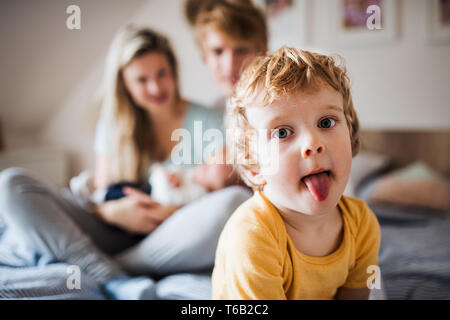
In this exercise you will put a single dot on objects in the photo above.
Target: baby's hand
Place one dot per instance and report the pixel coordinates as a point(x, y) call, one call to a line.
point(173, 179)
point(212, 176)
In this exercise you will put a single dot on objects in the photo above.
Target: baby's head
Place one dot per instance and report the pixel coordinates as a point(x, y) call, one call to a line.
point(302, 101)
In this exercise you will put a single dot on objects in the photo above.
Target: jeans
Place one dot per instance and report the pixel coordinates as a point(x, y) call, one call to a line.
point(52, 223)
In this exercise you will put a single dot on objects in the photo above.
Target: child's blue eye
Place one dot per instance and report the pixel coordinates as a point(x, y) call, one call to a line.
point(327, 123)
point(282, 133)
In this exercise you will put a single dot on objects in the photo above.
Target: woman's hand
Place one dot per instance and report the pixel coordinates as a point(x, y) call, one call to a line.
point(136, 213)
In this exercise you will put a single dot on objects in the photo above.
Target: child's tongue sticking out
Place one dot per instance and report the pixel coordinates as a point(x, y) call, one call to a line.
point(318, 185)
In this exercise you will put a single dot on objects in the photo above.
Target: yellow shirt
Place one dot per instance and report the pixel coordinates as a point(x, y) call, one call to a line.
point(256, 258)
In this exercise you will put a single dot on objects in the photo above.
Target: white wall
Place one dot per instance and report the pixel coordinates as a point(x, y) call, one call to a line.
point(74, 130)
point(42, 61)
point(403, 85)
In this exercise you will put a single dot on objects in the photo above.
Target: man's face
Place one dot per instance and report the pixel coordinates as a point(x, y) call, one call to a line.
point(226, 58)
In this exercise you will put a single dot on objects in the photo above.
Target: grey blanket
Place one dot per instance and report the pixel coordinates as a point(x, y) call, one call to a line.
point(25, 276)
point(415, 258)
point(414, 262)
point(415, 250)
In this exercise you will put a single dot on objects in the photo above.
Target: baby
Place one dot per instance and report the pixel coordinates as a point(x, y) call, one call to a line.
point(179, 185)
point(298, 237)
point(175, 185)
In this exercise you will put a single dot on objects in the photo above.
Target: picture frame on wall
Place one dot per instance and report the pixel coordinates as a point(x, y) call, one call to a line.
point(356, 23)
point(437, 25)
point(287, 22)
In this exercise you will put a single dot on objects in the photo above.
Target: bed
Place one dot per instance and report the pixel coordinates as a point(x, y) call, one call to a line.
point(414, 255)
point(415, 243)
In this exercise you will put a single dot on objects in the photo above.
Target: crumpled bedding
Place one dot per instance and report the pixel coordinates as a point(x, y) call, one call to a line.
point(414, 257)
point(25, 276)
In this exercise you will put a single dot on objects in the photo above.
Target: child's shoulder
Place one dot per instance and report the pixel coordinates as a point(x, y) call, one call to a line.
point(256, 217)
point(353, 204)
point(359, 215)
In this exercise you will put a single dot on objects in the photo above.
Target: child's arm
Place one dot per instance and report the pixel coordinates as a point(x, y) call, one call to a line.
point(248, 265)
point(352, 294)
point(367, 248)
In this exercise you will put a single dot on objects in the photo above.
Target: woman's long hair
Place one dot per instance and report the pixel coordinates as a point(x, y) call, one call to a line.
point(132, 141)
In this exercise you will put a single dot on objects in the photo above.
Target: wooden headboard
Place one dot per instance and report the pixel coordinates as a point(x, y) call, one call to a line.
point(404, 146)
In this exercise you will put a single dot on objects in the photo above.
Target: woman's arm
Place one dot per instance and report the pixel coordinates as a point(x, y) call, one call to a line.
point(136, 213)
point(101, 179)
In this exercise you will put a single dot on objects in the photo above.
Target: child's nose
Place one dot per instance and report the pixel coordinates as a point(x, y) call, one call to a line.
point(312, 146)
point(309, 151)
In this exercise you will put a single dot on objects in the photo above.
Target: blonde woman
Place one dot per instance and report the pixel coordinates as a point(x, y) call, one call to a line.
point(141, 107)
point(229, 33)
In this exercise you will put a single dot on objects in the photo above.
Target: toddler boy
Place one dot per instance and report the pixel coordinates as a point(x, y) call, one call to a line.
point(298, 237)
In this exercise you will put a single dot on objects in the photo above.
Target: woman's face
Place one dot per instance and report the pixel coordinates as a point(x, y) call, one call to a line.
point(150, 81)
point(226, 58)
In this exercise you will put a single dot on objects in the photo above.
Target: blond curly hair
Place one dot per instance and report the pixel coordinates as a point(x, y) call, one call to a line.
point(272, 77)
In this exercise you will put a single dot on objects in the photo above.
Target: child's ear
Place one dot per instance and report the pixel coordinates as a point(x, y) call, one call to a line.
point(255, 177)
